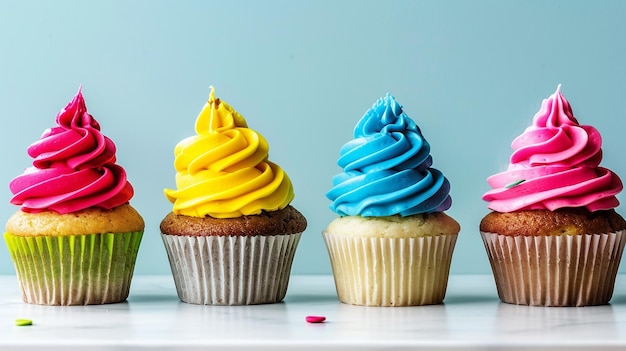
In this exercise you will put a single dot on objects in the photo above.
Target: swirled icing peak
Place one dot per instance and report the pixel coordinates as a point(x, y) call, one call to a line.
point(223, 171)
point(73, 167)
point(555, 164)
point(386, 168)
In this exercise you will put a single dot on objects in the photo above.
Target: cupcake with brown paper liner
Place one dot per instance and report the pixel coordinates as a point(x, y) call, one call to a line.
point(392, 244)
point(232, 234)
point(553, 237)
point(75, 238)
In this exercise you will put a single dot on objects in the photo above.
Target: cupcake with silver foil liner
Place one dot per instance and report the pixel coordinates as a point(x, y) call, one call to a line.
point(553, 237)
point(232, 234)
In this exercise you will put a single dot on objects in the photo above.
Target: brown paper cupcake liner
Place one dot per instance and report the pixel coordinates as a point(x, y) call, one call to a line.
point(390, 271)
point(74, 269)
point(231, 270)
point(563, 270)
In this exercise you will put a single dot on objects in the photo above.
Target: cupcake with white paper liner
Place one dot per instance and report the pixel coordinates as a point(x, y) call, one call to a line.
point(232, 234)
point(553, 237)
point(392, 243)
point(75, 238)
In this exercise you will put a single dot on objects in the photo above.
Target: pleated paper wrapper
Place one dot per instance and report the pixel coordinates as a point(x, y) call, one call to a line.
point(390, 271)
point(231, 270)
point(558, 270)
point(74, 269)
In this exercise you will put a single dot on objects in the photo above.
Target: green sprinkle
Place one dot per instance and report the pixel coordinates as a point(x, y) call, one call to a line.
point(510, 185)
point(20, 322)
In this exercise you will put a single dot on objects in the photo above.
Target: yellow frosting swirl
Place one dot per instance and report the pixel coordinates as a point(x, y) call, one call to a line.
point(223, 171)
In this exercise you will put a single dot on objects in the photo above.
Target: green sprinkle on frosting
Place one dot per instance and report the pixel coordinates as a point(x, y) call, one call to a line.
point(510, 185)
point(20, 322)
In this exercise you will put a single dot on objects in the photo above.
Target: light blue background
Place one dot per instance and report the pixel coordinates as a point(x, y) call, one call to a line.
point(470, 73)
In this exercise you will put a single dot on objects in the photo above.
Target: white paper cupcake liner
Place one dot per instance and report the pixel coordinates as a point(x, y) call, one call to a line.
point(390, 271)
point(74, 269)
point(563, 270)
point(231, 270)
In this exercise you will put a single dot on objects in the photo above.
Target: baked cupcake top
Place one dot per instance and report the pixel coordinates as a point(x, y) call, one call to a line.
point(223, 171)
point(387, 168)
point(562, 221)
point(394, 227)
point(279, 222)
point(74, 167)
point(120, 219)
point(555, 164)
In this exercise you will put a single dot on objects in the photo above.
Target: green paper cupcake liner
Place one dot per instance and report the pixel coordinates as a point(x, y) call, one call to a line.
point(74, 269)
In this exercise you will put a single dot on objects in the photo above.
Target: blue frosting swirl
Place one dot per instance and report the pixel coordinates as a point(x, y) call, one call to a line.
point(386, 168)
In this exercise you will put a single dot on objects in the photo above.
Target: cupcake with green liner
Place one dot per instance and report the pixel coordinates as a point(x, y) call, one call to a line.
point(232, 234)
point(75, 238)
point(392, 244)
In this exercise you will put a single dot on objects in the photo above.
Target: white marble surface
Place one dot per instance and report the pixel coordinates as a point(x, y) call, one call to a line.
point(472, 318)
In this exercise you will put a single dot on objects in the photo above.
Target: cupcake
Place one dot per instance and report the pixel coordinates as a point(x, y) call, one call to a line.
point(392, 243)
point(232, 234)
point(75, 238)
point(553, 237)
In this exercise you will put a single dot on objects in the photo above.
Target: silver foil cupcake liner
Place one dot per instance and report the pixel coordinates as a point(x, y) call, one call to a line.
point(231, 270)
point(560, 270)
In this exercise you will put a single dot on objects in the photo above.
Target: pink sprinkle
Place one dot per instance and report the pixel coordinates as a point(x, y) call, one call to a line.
point(315, 319)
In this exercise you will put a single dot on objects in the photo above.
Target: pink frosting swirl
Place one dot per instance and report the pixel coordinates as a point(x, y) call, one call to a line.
point(555, 164)
point(73, 167)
